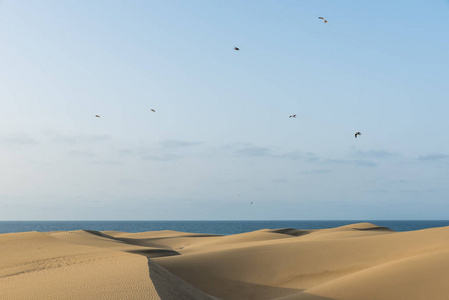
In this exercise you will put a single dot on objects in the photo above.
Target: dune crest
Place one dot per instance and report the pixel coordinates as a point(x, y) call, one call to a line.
point(357, 261)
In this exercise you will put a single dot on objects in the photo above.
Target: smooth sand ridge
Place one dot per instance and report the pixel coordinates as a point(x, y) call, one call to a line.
point(322, 264)
point(358, 261)
point(84, 265)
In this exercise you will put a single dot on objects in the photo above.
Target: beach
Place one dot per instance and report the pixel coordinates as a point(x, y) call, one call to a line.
point(357, 261)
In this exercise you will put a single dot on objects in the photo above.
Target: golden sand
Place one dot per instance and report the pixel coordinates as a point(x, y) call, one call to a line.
point(359, 261)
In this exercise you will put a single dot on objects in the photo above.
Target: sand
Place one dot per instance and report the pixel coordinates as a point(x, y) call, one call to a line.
point(358, 261)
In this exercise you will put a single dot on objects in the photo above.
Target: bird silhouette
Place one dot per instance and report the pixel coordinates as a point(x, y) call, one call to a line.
point(97, 116)
point(153, 110)
point(236, 49)
point(292, 116)
point(251, 203)
point(357, 133)
point(321, 18)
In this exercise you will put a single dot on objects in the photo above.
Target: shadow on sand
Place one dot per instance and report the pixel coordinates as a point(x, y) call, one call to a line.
point(171, 287)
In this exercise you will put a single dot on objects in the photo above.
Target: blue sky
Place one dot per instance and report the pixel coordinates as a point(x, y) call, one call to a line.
point(221, 137)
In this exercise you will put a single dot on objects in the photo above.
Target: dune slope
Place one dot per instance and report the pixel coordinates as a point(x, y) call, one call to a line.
point(84, 265)
point(358, 261)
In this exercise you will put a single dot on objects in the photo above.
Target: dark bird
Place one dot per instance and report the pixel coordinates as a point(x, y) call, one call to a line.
point(321, 18)
point(292, 116)
point(236, 49)
point(251, 203)
point(153, 110)
point(357, 133)
point(97, 116)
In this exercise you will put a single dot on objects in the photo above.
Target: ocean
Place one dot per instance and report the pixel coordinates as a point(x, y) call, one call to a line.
point(211, 227)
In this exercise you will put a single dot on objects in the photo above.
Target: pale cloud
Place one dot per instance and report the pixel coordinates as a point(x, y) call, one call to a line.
point(77, 153)
point(376, 153)
point(126, 151)
point(280, 180)
point(362, 163)
point(251, 150)
point(107, 162)
point(305, 156)
point(433, 157)
point(167, 150)
point(83, 138)
point(19, 139)
point(171, 144)
point(319, 171)
point(161, 157)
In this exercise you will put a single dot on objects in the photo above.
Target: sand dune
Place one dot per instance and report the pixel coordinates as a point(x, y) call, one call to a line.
point(84, 265)
point(358, 261)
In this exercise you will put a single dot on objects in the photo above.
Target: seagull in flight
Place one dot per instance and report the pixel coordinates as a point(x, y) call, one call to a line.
point(357, 133)
point(97, 116)
point(321, 18)
point(153, 110)
point(292, 116)
point(236, 49)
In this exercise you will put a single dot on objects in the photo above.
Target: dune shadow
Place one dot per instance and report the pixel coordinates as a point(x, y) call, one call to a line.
point(151, 253)
point(304, 296)
point(291, 231)
point(374, 229)
point(140, 251)
point(226, 288)
point(241, 290)
point(155, 242)
point(101, 234)
point(148, 242)
point(171, 287)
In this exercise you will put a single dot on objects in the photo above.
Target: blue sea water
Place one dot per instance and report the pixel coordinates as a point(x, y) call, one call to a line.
point(211, 227)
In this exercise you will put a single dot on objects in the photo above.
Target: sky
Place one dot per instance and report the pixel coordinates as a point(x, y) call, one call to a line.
point(221, 136)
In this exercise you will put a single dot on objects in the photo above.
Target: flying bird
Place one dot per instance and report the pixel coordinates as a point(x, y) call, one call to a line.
point(357, 133)
point(292, 116)
point(236, 49)
point(97, 116)
point(153, 110)
point(321, 18)
point(251, 203)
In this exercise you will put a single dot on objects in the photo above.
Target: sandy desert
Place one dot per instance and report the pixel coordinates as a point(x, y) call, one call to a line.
point(354, 262)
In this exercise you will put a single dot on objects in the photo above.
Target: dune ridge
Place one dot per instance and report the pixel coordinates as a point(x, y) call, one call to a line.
point(357, 261)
